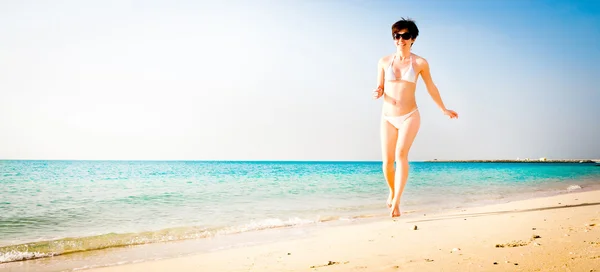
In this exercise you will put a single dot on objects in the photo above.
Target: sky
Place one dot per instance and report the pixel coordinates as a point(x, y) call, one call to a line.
point(292, 80)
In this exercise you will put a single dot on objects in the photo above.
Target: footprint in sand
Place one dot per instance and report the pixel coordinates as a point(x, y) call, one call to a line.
point(328, 264)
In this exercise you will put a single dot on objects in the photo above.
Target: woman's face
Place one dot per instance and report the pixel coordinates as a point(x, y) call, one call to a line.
point(403, 39)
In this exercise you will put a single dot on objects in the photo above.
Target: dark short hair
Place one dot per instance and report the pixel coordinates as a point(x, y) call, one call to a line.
point(408, 24)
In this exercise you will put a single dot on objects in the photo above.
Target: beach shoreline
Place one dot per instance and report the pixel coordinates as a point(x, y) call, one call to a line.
point(187, 246)
point(539, 234)
point(324, 196)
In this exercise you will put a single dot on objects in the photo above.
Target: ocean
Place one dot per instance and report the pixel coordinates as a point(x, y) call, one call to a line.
point(65, 208)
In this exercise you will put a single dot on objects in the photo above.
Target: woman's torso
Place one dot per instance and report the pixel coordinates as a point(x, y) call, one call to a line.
point(400, 79)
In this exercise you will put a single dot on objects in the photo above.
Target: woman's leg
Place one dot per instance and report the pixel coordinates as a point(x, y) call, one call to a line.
point(406, 136)
point(389, 136)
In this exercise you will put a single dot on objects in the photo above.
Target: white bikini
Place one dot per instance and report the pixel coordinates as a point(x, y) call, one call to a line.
point(408, 75)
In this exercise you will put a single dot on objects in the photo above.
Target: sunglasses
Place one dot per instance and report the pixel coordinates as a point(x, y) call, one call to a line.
point(405, 36)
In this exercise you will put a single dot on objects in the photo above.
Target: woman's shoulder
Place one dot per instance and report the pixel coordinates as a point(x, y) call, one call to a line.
point(386, 59)
point(418, 57)
point(419, 60)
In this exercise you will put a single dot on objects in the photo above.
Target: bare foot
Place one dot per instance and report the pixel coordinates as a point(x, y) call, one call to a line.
point(389, 200)
point(395, 210)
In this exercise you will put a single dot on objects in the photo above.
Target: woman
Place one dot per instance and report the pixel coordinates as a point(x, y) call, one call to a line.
point(400, 121)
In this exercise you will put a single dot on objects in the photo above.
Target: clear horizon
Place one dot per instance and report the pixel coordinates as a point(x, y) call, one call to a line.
point(292, 81)
point(317, 161)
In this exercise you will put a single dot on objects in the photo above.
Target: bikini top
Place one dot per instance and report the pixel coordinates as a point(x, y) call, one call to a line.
point(408, 75)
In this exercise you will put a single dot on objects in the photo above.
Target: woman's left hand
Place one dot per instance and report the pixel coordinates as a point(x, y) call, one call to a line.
point(450, 113)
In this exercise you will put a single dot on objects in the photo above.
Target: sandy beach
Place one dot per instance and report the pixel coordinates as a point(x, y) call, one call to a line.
point(557, 233)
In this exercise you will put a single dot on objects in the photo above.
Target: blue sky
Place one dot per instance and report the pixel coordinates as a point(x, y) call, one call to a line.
point(292, 80)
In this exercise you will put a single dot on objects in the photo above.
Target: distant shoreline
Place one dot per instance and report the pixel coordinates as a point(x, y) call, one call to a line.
point(520, 161)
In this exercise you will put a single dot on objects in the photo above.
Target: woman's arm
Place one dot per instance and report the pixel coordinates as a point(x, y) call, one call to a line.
point(380, 74)
point(433, 90)
point(378, 92)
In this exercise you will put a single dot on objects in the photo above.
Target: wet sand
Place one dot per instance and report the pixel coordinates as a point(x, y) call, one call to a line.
point(557, 233)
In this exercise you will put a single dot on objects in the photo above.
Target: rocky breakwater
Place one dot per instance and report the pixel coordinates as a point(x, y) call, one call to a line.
point(521, 161)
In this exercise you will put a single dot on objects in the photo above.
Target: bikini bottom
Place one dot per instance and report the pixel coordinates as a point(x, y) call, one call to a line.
point(397, 121)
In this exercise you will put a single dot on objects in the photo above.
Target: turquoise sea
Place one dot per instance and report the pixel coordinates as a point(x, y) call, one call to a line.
point(51, 208)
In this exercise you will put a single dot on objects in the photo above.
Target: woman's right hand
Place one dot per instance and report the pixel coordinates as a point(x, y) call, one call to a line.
point(377, 93)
